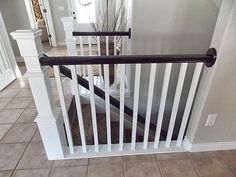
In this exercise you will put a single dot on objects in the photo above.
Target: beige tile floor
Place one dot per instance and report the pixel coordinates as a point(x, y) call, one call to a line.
point(22, 153)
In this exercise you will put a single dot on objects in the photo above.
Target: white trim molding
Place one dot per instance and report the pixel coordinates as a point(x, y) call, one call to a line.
point(29, 9)
point(45, 4)
point(214, 146)
point(7, 43)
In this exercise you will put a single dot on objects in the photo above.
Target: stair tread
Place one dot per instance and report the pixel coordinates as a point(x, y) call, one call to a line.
point(102, 130)
point(87, 120)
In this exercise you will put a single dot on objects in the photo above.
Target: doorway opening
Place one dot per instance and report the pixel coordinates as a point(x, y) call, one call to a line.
point(40, 18)
point(41, 24)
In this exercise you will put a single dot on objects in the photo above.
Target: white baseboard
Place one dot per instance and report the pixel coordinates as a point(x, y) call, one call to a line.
point(215, 146)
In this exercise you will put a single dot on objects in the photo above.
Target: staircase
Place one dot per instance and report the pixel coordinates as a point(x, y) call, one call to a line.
point(101, 124)
point(86, 133)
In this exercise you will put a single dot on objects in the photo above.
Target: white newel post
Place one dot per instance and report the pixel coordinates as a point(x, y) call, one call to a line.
point(49, 119)
point(68, 24)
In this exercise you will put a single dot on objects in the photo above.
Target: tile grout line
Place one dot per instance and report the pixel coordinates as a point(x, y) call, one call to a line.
point(21, 115)
point(192, 163)
point(20, 142)
point(159, 166)
point(17, 92)
point(22, 155)
point(227, 163)
point(13, 171)
point(4, 107)
point(123, 165)
point(12, 124)
point(87, 171)
point(50, 172)
point(19, 98)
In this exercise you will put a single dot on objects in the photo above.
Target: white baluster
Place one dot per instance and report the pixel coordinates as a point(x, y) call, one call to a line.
point(189, 102)
point(122, 102)
point(162, 104)
point(63, 108)
point(135, 107)
point(115, 65)
point(83, 67)
point(92, 98)
point(78, 106)
point(107, 45)
point(115, 51)
point(107, 97)
point(178, 92)
point(90, 46)
point(99, 54)
point(149, 104)
point(107, 100)
point(93, 108)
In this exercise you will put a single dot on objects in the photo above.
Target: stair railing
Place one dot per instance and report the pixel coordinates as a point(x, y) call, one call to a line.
point(51, 119)
point(208, 59)
point(106, 43)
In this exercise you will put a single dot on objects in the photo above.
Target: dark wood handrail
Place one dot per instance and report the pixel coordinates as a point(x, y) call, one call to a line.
point(102, 33)
point(209, 59)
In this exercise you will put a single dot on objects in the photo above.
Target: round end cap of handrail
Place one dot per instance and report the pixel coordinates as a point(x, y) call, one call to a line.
point(129, 33)
point(213, 53)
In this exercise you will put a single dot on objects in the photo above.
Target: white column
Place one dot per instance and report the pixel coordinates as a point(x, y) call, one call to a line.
point(49, 117)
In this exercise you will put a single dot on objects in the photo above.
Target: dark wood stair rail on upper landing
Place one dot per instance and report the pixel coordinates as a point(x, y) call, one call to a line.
point(209, 59)
point(103, 33)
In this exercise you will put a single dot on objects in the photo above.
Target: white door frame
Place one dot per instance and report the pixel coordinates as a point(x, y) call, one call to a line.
point(9, 49)
point(69, 8)
point(30, 12)
point(45, 4)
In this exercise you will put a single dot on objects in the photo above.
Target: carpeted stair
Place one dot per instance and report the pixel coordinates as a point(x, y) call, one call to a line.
point(101, 126)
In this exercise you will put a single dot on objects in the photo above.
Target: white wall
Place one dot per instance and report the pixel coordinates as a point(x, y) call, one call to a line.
point(56, 16)
point(174, 26)
point(217, 91)
point(15, 18)
point(170, 27)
